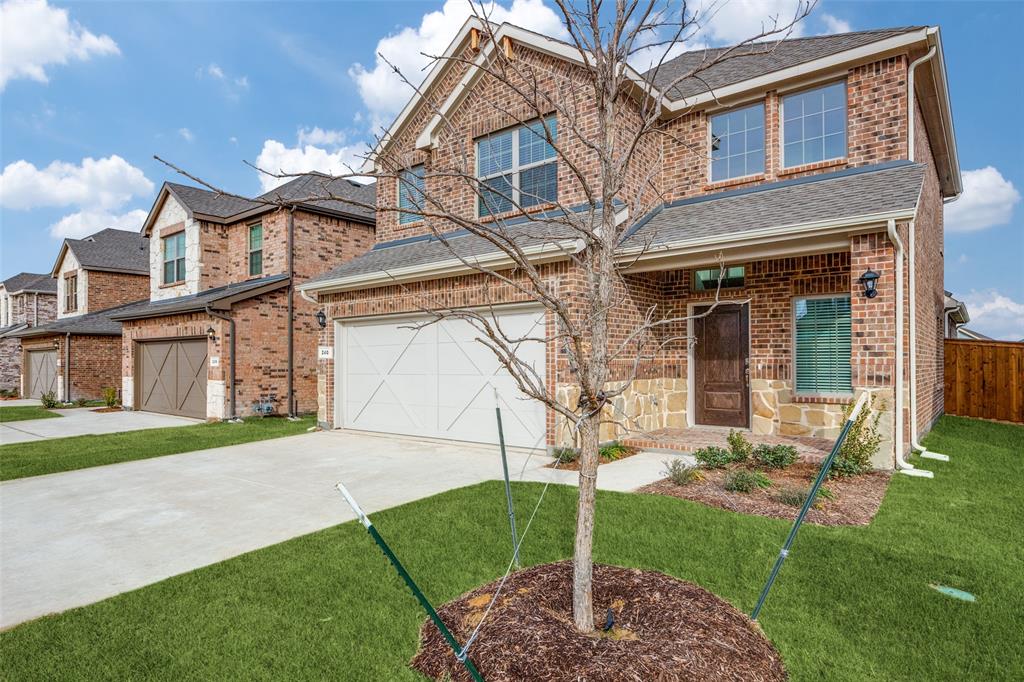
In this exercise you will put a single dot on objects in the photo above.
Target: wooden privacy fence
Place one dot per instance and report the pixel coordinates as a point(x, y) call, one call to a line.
point(985, 379)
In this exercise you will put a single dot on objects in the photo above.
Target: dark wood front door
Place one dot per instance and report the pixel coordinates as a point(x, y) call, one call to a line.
point(721, 353)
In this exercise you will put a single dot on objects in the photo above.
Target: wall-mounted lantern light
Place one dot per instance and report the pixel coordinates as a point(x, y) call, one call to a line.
point(56, 343)
point(321, 319)
point(211, 333)
point(869, 279)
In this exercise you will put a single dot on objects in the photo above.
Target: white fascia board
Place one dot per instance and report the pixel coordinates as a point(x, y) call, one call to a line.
point(396, 126)
point(842, 225)
point(451, 267)
point(536, 41)
point(939, 76)
point(768, 80)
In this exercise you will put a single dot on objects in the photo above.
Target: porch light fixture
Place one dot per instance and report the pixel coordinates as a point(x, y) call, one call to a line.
point(321, 319)
point(869, 279)
point(211, 333)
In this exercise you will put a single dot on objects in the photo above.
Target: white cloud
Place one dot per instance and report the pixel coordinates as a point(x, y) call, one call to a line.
point(186, 134)
point(34, 35)
point(383, 91)
point(988, 200)
point(95, 183)
point(319, 136)
point(275, 157)
point(232, 87)
point(215, 71)
point(835, 24)
point(233, 140)
point(995, 315)
point(733, 21)
point(89, 221)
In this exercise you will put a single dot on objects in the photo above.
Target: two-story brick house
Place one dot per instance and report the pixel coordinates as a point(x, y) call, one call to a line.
point(78, 355)
point(222, 334)
point(806, 166)
point(26, 299)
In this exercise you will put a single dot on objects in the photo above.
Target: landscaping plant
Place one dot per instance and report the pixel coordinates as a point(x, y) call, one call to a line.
point(713, 457)
point(81, 402)
point(774, 456)
point(794, 496)
point(49, 400)
point(110, 396)
point(566, 455)
point(739, 446)
point(613, 451)
point(744, 481)
point(681, 473)
point(854, 457)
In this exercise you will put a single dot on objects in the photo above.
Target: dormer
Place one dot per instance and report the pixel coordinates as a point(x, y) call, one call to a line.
point(105, 269)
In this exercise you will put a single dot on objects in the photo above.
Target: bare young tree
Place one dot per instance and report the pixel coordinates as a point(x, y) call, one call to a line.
point(601, 115)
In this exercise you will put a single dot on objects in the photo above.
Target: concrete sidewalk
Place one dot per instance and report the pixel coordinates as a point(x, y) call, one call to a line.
point(83, 421)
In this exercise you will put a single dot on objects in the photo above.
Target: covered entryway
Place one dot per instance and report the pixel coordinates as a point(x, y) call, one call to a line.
point(171, 377)
point(436, 380)
point(40, 373)
point(721, 357)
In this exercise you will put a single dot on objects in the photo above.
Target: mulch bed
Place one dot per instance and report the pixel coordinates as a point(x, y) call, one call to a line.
point(665, 630)
point(575, 464)
point(856, 502)
point(107, 409)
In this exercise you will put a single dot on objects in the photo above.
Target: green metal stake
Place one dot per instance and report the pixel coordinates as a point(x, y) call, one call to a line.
point(811, 496)
point(410, 583)
point(508, 486)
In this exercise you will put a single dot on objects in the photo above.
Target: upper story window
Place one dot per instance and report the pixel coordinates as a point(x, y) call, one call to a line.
point(822, 341)
point(174, 258)
point(71, 293)
point(256, 249)
point(814, 125)
point(410, 194)
point(737, 143)
point(520, 167)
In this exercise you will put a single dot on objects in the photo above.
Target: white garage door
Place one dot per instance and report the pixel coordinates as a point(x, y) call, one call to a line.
point(436, 381)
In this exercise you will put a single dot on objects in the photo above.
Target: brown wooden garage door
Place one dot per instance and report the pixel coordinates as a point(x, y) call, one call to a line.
point(40, 372)
point(172, 377)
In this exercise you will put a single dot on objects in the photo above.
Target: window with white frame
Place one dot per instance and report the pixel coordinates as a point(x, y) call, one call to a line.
point(410, 194)
point(822, 344)
point(519, 166)
point(737, 143)
point(174, 258)
point(814, 125)
point(256, 249)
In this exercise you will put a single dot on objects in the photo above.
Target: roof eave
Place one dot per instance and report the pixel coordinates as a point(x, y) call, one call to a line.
point(221, 303)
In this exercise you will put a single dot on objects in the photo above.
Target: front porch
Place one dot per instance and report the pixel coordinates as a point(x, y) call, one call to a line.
point(809, 449)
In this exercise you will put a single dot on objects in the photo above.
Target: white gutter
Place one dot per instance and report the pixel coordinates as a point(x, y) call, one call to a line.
point(446, 268)
point(902, 465)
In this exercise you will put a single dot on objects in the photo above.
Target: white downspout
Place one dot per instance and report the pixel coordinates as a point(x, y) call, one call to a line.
point(902, 465)
point(912, 101)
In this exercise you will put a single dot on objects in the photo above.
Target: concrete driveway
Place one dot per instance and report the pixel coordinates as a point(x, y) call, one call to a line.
point(84, 420)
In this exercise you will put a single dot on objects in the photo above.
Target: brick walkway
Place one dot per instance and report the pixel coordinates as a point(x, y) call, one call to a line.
point(687, 440)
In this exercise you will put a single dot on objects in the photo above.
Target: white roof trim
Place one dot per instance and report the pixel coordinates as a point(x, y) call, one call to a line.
point(447, 268)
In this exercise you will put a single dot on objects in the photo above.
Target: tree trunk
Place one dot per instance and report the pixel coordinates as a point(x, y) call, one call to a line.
point(583, 563)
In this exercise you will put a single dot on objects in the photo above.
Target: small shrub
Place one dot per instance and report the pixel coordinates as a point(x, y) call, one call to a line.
point(110, 396)
point(81, 402)
point(744, 480)
point(49, 400)
point(713, 457)
point(681, 473)
point(613, 451)
point(774, 456)
point(739, 446)
point(861, 444)
point(566, 455)
point(794, 496)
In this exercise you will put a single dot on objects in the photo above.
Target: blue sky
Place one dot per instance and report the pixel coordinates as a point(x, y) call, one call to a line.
point(93, 90)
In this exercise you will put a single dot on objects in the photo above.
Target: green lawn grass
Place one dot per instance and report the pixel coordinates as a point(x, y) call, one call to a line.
point(19, 413)
point(850, 603)
point(35, 458)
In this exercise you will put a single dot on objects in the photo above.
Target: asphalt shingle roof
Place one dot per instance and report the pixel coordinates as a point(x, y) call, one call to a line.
point(11, 327)
point(844, 194)
point(210, 297)
point(211, 203)
point(117, 250)
point(31, 281)
point(757, 59)
point(100, 323)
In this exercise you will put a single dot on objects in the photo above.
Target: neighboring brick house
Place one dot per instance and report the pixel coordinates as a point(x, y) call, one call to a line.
point(78, 355)
point(805, 166)
point(220, 296)
point(26, 299)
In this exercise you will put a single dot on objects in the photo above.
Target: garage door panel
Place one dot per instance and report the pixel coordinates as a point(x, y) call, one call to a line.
point(172, 377)
point(436, 381)
point(41, 375)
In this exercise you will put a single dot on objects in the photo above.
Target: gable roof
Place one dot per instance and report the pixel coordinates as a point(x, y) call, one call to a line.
point(108, 250)
point(219, 298)
point(99, 323)
point(302, 191)
point(32, 282)
point(758, 59)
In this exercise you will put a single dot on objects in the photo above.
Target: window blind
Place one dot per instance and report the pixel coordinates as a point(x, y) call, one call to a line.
point(823, 345)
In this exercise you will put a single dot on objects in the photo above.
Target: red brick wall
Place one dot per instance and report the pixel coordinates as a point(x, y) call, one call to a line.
point(95, 363)
point(109, 289)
